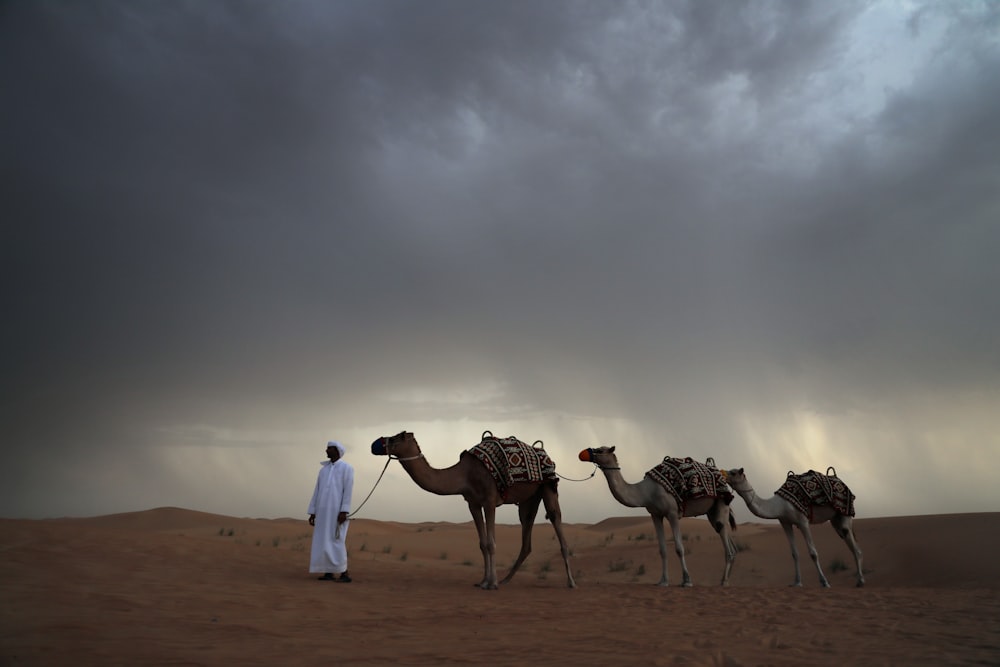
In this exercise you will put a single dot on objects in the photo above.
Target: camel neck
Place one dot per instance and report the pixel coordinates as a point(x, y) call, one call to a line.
point(442, 482)
point(627, 494)
point(765, 508)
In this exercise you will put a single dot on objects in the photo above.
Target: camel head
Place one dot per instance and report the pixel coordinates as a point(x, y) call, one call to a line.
point(392, 444)
point(602, 457)
point(736, 478)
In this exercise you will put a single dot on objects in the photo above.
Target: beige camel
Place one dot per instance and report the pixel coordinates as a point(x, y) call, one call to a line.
point(659, 503)
point(470, 479)
point(777, 507)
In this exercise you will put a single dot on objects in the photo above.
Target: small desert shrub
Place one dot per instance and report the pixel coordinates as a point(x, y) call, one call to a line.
point(230, 533)
point(838, 565)
point(275, 541)
point(257, 543)
point(404, 556)
point(222, 531)
point(545, 567)
point(617, 566)
point(741, 546)
point(364, 546)
point(444, 555)
point(387, 549)
point(641, 570)
point(467, 562)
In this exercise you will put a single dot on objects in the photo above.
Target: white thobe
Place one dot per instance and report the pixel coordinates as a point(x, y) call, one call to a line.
point(331, 496)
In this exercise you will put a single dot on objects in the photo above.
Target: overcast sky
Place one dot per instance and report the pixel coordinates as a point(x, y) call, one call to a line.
point(766, 232)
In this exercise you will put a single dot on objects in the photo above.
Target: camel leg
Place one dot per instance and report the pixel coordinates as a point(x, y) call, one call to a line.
point(526, 511)
point(490, 513)
point(790, 535)
point(675, 528)
point(813, 553)
point(719, 518)
point(844, 525)
point(486, 544)
point(662, 541)
point(554, 514)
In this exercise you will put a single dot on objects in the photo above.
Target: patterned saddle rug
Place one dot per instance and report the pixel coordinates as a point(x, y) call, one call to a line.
point(686, 480)
point(511, 461)
point(812, 489)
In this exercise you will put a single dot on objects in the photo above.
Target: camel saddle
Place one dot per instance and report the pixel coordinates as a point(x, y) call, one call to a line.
point(686, 480)
point(511, 461)
point(814, 489)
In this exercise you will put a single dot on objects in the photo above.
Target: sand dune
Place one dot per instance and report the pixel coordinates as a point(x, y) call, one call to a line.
point(180, 587)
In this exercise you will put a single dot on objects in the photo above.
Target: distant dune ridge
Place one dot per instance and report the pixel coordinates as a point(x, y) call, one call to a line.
point(177, 586)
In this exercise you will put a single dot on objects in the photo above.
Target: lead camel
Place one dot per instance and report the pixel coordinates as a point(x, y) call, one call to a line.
point(471, 479)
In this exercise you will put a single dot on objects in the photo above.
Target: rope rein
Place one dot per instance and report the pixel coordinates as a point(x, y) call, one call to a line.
point(582, 479)
point(372, 491)
point(388, 461)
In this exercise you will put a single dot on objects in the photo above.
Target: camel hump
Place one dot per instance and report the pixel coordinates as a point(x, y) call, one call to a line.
point(538, 444)
point(834, 474)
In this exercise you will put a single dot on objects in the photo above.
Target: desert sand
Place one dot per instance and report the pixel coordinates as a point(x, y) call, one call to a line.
point(173, 586)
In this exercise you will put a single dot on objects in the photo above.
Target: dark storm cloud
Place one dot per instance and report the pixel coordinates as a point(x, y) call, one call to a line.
point(226, 222)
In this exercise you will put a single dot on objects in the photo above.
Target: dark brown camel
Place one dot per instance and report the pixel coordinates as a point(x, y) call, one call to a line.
point(470, 479)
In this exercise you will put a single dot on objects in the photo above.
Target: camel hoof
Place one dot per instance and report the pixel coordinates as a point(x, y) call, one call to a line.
point(860, 584)
point(687, 584)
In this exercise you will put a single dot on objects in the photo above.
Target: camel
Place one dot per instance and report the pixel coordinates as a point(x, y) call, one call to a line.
point(789, 515)
point(471, 479)
point(659, 503)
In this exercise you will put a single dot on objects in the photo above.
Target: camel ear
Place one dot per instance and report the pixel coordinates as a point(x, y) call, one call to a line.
point(611, 450)
point(739, 470)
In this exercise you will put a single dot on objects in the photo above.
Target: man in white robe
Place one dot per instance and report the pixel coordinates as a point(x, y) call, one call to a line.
point(328, 510)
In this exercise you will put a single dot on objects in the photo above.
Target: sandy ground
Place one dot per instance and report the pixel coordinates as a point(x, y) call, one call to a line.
point(179, 587)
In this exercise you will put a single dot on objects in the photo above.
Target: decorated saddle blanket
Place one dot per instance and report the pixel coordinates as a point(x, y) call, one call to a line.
point(511, 461)
point(686, 480)
point(811, 489)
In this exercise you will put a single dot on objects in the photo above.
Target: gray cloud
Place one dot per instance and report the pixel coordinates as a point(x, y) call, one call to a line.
point(689, 225)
